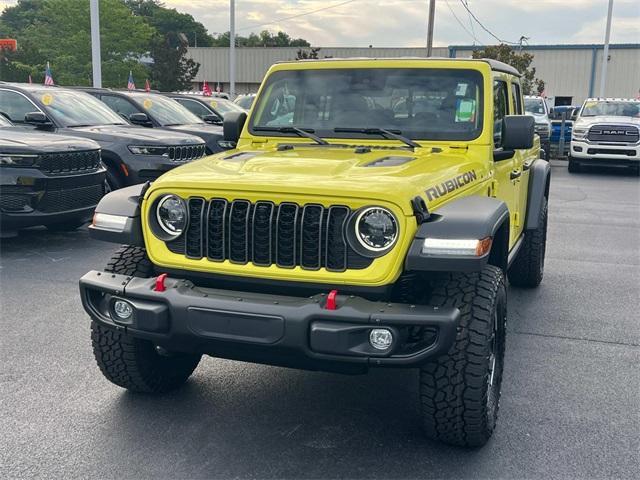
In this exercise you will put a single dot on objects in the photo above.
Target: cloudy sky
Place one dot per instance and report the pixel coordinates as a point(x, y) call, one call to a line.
point(403, 22)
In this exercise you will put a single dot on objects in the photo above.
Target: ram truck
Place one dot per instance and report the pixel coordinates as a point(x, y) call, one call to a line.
point(369, 216)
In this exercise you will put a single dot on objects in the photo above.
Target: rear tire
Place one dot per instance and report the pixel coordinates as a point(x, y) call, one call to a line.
point(130, 362)
point(573, 167)
point(460, 391)
point(527, 268)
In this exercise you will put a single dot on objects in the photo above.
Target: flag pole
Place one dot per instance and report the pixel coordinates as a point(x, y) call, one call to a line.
point(95, 43)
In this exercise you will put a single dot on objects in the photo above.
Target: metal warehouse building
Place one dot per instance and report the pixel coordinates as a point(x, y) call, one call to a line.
point(571, 72)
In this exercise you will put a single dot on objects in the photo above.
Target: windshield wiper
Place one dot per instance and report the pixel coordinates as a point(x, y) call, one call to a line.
point(306, 132)
point(395, 134)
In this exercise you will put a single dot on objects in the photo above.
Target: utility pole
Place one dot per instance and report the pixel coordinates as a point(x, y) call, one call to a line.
point(232, 49)
point(432, 12)
point(95, 43)
point(605, 53)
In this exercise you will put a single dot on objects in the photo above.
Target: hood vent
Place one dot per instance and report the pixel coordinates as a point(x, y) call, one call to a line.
point(241, 156)
point(390, 161)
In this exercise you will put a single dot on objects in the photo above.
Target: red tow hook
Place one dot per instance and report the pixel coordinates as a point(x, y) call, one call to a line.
point(160, 286)
point(331, 300)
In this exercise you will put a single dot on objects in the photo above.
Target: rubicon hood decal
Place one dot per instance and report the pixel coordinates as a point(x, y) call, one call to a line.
point(449, 186)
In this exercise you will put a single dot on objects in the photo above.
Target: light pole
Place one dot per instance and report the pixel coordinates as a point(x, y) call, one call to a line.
point(95, 43)
point(232, 49)
point(605, 52)
point(432, 12)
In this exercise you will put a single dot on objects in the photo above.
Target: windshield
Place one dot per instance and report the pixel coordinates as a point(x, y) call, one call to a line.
point(76, 109)
point(3, 121)
point(245, 101)
point(166, 111)
point(223, 106)
point(431, 104)
point(616, 108)
point(534, 105)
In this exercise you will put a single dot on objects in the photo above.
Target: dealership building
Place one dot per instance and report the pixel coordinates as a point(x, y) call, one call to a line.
point(571, 72)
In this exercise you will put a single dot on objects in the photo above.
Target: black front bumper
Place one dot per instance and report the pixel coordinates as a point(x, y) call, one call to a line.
point(271, 329)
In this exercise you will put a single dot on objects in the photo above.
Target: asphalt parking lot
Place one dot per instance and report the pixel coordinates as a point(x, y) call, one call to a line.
point(570, 405)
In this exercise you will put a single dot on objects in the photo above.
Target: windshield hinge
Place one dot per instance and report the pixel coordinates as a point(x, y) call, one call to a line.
point(259, 140)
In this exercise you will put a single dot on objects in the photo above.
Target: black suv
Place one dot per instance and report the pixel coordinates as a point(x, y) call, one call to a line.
point(47, 179)
point(131, 154)
point(154, 110)
point(209, 108)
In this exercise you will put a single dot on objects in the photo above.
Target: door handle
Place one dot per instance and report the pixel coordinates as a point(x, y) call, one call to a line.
point(515, 174)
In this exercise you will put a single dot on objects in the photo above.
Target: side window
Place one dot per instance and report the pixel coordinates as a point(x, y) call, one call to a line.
point(500, 109)
point(119, 105)
point(194, 107)
point(15, 106)
point(517, 98)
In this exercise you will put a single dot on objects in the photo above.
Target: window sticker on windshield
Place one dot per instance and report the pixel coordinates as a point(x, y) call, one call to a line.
point(213, 103)
point(465, 110)
point(147, 104)
point(461, 91)
point(47, 99)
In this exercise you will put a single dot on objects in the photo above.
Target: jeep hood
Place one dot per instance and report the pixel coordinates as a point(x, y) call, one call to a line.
point(394, 175)
point(15, 140)
point(139, 135)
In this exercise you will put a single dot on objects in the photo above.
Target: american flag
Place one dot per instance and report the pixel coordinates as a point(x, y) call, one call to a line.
point(30, 81)
point(218, 89)
point(147, 85)
point(206, 89)
point(48, 78)
point(130, 83)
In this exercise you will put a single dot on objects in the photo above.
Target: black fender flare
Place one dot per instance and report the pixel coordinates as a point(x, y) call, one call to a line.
point(472, 217)
point(124, 202)
point(539, 181)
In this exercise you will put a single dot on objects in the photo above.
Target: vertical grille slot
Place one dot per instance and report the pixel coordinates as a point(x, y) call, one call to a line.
point(336, 256)
point(193, 246)
point(262, 233)
point(310, 237)
point(239, 231)
point(216, 231)
point(286, 235)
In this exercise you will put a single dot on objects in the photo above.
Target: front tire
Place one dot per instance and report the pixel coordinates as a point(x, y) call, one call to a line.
point(460, 391)
point(527, 268)
point(573, 167)
point(130, 362)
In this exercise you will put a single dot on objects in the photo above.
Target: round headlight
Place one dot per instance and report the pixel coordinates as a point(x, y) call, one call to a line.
point(376, 229)
point(171, 213)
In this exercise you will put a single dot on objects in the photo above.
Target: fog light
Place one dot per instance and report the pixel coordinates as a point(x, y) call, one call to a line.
point(380, 338)
point(122, 309)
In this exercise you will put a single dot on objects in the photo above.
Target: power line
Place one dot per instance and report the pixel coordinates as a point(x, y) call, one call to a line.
point(482, 26)
point(460, 22)
point(473, 30)
point(295, 16)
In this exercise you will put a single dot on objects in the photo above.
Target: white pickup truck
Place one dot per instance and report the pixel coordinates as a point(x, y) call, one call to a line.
point(606, 132)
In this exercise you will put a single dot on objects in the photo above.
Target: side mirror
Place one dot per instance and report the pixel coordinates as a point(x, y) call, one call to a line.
point(140, 119)
point(37, 118)
point(233, 125)
point(517, 132)
point(213, 119)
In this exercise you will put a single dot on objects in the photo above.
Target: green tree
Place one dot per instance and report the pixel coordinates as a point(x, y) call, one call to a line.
point(307, 54)
point(58, 31)
point(171, 69)
point(263, 39)
point(520, 61)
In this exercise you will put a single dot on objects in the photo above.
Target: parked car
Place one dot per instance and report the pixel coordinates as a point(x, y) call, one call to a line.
point(561, 149)
point(345, 238)
point(245, 101)
point(47, 179)
point(606, 132)
point(154, 110)
point(537, 107)
point(131, 154)
point(209, 109)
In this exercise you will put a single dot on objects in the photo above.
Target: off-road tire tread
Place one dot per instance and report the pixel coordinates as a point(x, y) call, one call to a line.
point(133, 363)
point(526, 269)
point(453, 388)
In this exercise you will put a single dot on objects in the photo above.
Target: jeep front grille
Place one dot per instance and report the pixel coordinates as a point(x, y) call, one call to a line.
point(263, 233)
point(69, 162)
point(613, 134)
point(186, 153)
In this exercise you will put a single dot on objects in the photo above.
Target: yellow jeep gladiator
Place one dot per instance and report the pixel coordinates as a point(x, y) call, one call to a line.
point(369, 216)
